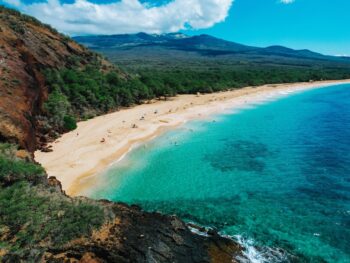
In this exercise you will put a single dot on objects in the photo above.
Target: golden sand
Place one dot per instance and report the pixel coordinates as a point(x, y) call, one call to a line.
point(79, 156)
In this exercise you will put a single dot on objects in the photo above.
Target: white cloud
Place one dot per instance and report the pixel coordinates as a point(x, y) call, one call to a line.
point(287, 1)
point(128, 16)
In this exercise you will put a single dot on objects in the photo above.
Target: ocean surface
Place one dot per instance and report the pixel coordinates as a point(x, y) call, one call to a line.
point(275, 176)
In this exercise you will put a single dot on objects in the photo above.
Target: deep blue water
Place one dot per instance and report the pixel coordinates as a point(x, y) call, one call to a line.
point(277, 174)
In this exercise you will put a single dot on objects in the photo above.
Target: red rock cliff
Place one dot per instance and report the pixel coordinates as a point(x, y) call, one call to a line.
point(27, 48)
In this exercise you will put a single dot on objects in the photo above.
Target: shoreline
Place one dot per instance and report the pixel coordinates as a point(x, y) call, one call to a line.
point(81, 154)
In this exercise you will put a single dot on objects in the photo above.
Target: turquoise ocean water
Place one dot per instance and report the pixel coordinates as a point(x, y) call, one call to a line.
point(276, 176)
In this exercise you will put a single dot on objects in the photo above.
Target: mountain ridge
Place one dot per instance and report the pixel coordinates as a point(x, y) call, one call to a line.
point(196, 43)
point(204, 63)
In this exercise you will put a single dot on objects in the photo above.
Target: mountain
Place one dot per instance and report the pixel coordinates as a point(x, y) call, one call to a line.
point(201, 45)
point(176, 63)
point(126, 40)
point(172, 40)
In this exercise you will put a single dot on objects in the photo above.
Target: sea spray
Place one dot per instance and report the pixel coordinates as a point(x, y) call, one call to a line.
point(251, 252)
point(255, 254)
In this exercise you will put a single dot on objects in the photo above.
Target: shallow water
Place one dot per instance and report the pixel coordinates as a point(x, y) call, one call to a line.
point(276, 176)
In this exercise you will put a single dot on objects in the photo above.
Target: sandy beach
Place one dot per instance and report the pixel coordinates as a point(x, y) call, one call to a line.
point(79, 156)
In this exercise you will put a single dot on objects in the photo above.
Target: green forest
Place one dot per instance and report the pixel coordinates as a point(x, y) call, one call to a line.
point(81, 94)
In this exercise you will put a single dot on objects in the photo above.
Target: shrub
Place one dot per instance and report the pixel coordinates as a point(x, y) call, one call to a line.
point(13, 169)
point(34, 214)
point(69, 123)
point(17, 27)
point(57, 107)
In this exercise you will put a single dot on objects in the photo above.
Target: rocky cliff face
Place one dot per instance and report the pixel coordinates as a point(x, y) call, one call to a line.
point(127, 234)
point(27, 48)
point(135, 236)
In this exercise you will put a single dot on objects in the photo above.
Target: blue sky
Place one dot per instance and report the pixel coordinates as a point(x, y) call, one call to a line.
point(320, 25)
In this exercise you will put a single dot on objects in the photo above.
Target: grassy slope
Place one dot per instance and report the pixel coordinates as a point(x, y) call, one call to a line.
point(35, 215)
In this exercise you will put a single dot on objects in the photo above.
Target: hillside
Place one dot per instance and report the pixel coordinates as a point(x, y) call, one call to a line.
point(27, 48)
point(47, 82)
point(205, 63)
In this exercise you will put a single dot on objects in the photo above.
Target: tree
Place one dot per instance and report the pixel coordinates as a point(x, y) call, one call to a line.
point(57, 107)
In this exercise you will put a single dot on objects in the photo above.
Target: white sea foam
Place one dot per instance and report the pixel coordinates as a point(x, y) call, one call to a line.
point(254, 254)
point(251, 253)
point(197, 232)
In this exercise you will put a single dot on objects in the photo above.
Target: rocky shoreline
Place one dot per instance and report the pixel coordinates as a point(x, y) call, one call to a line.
point(133, 235)
point(98, 230)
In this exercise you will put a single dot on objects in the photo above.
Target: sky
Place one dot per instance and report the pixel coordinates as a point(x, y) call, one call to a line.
point(319, 25)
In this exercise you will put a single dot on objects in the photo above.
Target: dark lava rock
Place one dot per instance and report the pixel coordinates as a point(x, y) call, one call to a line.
point(137, 236)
